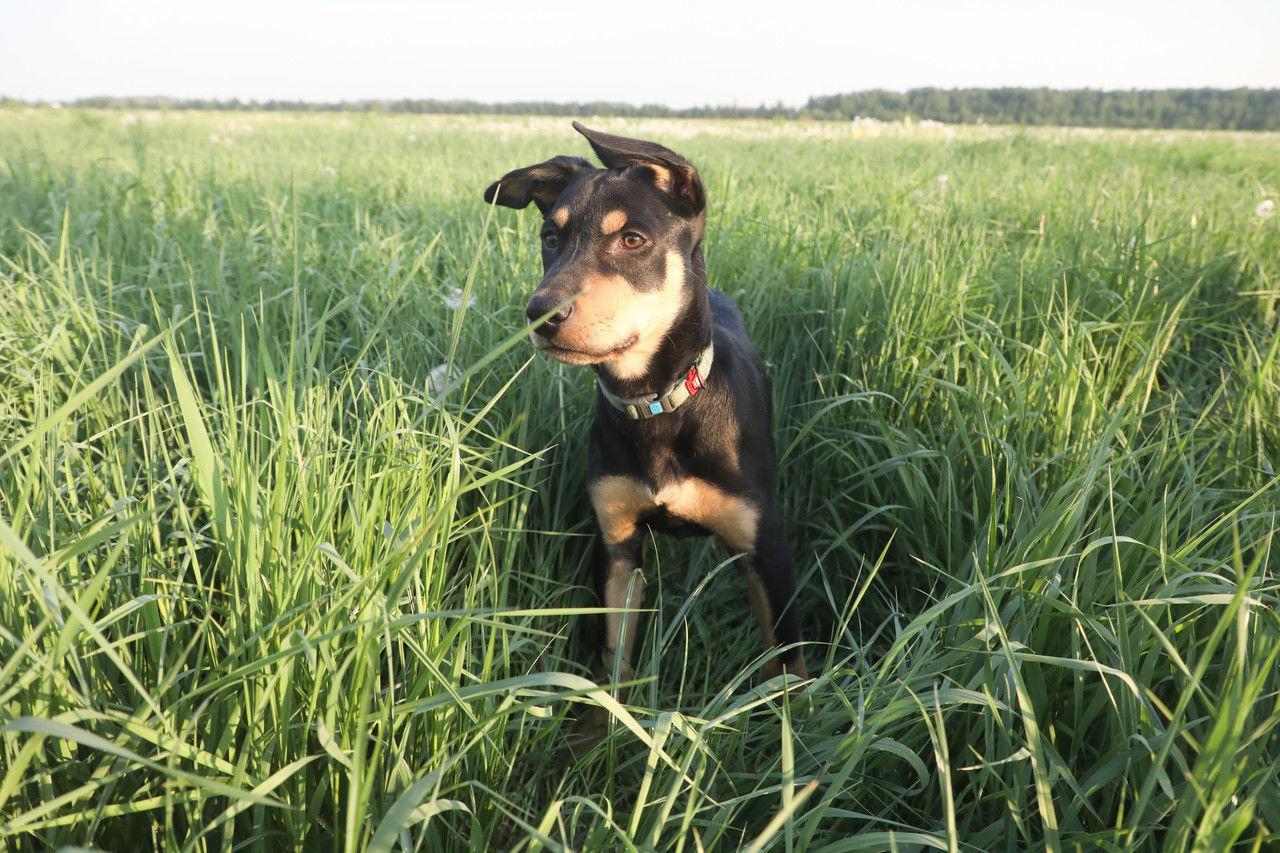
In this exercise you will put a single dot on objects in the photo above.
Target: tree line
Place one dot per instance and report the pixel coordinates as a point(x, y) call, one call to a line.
point(1217, 109)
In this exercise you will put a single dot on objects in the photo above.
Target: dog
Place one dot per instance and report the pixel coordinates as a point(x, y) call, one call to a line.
point(682, 440)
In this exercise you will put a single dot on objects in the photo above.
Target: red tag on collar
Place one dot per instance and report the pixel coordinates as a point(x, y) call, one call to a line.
point(693, 381)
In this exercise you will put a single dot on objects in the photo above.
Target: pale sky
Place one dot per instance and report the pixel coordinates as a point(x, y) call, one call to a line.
point(675, 52)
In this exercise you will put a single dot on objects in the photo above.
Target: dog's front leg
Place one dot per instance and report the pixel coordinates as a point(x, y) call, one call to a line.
point(771, 584)
point(620, 587)
point(619, 502)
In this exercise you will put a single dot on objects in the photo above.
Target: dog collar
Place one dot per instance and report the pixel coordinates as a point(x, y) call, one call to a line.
point(643, 408)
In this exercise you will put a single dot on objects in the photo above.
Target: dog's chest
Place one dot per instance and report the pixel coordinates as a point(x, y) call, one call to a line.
point(622, 503)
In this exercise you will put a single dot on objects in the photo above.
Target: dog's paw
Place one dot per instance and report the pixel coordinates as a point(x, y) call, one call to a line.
point(590, 727)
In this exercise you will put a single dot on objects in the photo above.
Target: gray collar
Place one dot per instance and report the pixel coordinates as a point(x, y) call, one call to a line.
point(642, 408)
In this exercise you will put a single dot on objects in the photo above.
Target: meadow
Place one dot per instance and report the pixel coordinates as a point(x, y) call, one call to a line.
point(293, 528)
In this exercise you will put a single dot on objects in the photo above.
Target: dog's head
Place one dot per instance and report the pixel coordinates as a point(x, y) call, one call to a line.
point(618, 249)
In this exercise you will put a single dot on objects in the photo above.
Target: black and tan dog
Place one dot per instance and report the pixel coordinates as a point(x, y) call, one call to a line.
point(682, 439)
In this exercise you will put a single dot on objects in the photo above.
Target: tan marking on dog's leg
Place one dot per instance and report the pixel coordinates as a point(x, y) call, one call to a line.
point(764, 618)
point(613, 221)
point(730, 517)
point(618, 502)
point(623, 589)
point(735, 522)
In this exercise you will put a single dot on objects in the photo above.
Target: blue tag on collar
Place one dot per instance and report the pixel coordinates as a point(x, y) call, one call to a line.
point(655, 408)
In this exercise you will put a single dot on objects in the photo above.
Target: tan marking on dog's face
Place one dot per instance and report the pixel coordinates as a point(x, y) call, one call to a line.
point(649, 319)
point(613, 222)
point(615, 324)
point(560, 216)
point(599, 327)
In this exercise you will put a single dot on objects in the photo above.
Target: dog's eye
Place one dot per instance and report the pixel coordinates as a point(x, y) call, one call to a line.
point(632, 240)
point(550, 240)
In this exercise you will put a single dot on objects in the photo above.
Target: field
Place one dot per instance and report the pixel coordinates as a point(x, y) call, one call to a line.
point(293, 532)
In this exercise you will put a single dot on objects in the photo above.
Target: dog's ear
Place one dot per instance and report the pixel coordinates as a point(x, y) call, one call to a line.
point(672, 174)
point(540, 184)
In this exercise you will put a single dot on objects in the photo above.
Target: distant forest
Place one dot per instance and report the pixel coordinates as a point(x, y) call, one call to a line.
point(1219, 109)
point(1203, 109)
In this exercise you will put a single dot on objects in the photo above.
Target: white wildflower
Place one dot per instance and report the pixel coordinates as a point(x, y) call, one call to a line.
point(329, 170)
point(442, 375)
point(942, 179)
point(1265, 208)
point(454, 299)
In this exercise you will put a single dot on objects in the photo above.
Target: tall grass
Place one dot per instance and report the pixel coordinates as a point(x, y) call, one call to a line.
point(293, 553)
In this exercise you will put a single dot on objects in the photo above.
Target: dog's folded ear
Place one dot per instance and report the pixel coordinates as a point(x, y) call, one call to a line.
point(540, 184)
point(672, 174)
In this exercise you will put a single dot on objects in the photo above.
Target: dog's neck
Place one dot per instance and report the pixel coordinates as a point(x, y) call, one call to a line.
point(681, 346)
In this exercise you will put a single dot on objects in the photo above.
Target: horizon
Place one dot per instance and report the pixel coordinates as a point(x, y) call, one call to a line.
point(744, 106)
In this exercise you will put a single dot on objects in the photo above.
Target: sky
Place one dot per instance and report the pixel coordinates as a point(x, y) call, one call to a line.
point(675, 52)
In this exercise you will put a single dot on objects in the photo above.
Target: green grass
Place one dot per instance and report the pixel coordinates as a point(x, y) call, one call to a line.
point(265, 584)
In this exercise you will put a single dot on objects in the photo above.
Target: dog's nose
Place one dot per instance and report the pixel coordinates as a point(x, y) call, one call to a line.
point(540, 304)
